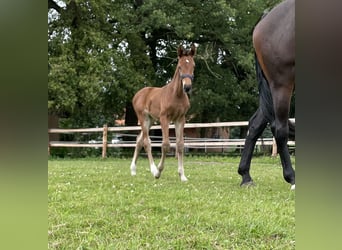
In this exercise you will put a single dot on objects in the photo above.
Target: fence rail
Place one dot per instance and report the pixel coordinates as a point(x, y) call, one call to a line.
point(205, 143)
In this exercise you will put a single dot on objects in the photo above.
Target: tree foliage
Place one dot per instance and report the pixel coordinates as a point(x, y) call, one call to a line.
point(101, 52)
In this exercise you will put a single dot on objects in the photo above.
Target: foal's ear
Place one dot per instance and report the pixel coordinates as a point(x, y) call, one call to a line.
point(193, 50)
point(180, 51)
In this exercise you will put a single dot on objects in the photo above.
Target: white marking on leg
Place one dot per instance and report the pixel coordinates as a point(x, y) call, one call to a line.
point(183, 178)
point(181, 172)
point(154, 170)
point(180, 150)
point(133, 169)
point(136, 154)
point(293, 187)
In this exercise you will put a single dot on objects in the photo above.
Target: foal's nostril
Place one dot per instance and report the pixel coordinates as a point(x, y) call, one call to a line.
point(187, 88)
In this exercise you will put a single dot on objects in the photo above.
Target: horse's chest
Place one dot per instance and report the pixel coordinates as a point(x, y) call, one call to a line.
point(179, 109)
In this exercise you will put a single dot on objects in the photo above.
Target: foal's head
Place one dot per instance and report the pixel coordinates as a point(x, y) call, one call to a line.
point(186, 66)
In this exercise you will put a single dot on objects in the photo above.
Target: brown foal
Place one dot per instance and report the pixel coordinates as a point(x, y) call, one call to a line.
point(167, 104)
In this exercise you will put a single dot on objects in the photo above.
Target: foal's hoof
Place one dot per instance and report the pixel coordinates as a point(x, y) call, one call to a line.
point(183, 178)
point(293, 187)
point(133, 170)
point(156, 174)
point(247, 184)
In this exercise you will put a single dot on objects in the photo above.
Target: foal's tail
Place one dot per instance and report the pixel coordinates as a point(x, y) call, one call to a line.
point(265, 96)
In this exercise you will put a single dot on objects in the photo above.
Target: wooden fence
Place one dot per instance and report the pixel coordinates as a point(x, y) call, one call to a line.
point(205, 143)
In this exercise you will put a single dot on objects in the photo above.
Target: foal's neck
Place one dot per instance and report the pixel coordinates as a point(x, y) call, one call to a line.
point(176, 84)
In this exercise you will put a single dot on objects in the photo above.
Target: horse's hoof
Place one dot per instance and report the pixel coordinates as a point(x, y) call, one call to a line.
point(184, 179)
point(247, 184)
point(133, 170)
point(156, 174)
point(293, 187)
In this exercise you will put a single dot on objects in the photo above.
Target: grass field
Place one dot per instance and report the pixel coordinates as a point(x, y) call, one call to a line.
point(97, 204)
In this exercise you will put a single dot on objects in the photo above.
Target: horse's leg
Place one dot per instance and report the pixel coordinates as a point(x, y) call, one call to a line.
point(165, 144)
point(138, 147)
point(281, 132)
point(292, 131)
point(257, 124)
point(147, 144)
point(179, 128)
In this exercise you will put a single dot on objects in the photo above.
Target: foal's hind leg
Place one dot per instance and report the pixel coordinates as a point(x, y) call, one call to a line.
point(147, 123)
point(137, 150)
point(256, 126)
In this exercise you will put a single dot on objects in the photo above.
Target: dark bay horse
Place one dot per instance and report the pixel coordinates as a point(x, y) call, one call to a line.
point(274, 45)
point(166, 104)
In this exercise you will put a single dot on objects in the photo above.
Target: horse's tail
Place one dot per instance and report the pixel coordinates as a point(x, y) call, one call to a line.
point(265, 96)
point(292, 131)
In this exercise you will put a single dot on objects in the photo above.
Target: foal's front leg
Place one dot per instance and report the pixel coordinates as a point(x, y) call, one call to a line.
point(164, 123)
point(179, 128)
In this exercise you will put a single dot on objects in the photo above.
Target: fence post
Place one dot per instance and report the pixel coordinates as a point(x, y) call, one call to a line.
point(104, 141)
point(274, 148)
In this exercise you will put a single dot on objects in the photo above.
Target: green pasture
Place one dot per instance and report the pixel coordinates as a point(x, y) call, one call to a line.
point(97, 204)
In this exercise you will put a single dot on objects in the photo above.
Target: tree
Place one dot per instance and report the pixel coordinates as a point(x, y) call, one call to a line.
point(101, 52)
point(90, 73)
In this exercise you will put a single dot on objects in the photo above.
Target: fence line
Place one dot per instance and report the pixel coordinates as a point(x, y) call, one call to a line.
point(204, 143)
point(138, 128)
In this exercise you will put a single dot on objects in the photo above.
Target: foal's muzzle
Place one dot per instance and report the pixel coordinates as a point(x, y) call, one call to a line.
point(187, 88)
point(187, 82)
